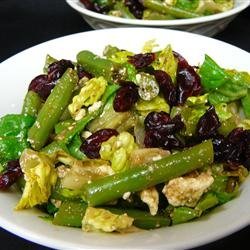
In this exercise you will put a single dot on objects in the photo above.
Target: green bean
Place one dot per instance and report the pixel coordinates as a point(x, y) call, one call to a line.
point(208, 201)
point(49, 60)
point(68, 134)
point(245, 101)
point(96, 65)
point(143, 219)
point(137, 178)
point(155, 15)
point(54, 147)
point(74, 147)
point(184, 214)
point(70, 214)
point(31, 104)
point(163, 8)
point(119, 6)
point(52, 109)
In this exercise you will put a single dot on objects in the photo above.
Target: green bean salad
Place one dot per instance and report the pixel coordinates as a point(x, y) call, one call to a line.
point(158, 9)
point(128, 141)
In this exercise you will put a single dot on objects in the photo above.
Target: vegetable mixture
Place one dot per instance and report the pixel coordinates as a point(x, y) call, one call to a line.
point(158, 9)
point(128, 141)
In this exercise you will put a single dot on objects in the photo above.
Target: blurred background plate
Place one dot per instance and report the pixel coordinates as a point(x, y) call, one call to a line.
point(206, 25)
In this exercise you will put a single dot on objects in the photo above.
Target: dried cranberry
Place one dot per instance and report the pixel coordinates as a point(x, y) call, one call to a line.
point(125, 97)
point(57, 69)
point(182, 62)
point(188, 81)
point(188, 84)
point(235, 145)
point(231, 166)
point(42, 86)
point(91, 146)
point(166, 86)
point(88, 4)
point(208, 124)
point(155, 120)
point(246, 160)
point(141, 60)
point(154, 138)
point(172, 142)
point(11, 175)
point(162, 122)
point(135, 7)
point(160, 130)
point(218, 145)
point(233, 150)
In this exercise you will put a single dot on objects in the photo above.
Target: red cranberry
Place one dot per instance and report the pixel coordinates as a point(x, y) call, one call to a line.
point(91, 146)
point(11, 175)
point(142, 60)
point(125, 97)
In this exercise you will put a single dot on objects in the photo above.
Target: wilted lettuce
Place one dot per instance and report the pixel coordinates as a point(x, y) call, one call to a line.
point(109, 118)
point(40, 177)
point(213, 6)
point(156, 104)
point(90, 93)
point(98, 219)
point(117, 150)
point(166, 61)
point(196, 107)
point(117, 55)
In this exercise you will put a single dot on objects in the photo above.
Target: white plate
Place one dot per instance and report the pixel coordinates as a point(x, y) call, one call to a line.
point(15, 75)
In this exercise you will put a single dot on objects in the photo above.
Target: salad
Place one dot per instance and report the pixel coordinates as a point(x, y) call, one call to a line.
point(128, 141)
point(158, 9)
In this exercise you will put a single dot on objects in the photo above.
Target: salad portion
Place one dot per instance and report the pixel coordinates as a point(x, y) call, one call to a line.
point(128, 141)
point(158, 9)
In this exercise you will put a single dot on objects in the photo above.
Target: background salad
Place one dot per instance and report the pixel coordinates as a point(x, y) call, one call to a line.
point(158, 9)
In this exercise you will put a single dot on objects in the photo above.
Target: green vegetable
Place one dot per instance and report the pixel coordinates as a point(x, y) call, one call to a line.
point(112, 187)
point(212, 75)
point(166, 61)
point(208, 201)
point(156, 104)
point(121, 10)
point(143, 219)
point(223, 85)
point(96, 65)
point(68, 133)
point(13, 136)
point(52, 109)
point(190, 5)
point(49, 60)
point(245, 101)
point(184, 214)
point(31, 104)
point(74, 147)
point(109, 118)
point(70, 214)
point(161, 7)
point(154, 15)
